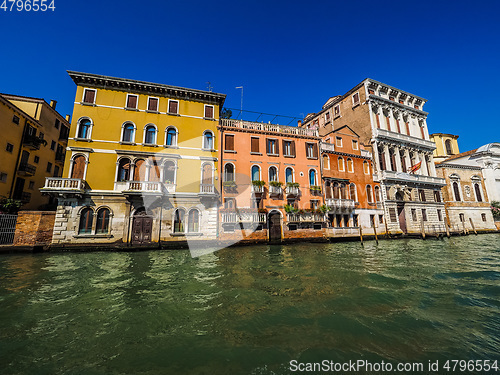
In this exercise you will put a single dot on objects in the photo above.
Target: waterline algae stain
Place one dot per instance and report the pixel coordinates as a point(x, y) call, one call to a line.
point(250, 310)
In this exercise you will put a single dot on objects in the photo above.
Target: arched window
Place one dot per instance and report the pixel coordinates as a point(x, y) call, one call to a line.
point(312, 177)
point(449, 148)
point(179, 220)
point(289, 174)
point(78, 167)
point(336, 191)
point(403, 161)
point(128, 133)
point(140, 170)
point(84, 126)
point(326, 162)
point(456, 191)
point(229, 172)
point(377, 194)
point(350, 165)
point(328, 190)
point(392, 158)
point(193, 221)
point(102, 223)
point(86, 219)
point(477, 190)
point(369, 195)
point(255, 173)
point(169, 172)
point(353, 192)
point(154, 171)
point(381, 159)
point(366, 167)
point(273, 173)
point(208, 140)
point(150, 136)
point(207, 174)
point(343, 192)
point(341, 164)
point(124, 169)
point(171, 137)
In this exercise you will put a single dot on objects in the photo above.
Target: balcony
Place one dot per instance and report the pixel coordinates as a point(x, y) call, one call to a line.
point(262, 127)
point(143, 187)
point(340, 204)
point(327, 147)
point(33, 142)
point(27, 169)
point(243, 217)
point(408, 177)
point(207, 189)
point(64, 185)
point(258, 190)
point(307, 217)
point(292, 191)
point(405, 139)
point(275, 191)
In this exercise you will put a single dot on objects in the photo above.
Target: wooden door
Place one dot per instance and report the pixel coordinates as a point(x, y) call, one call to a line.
point(207, 174)
point(274, 226)
point(78, 167)
point(142, 226)
point(402, 217)
point(140, 170)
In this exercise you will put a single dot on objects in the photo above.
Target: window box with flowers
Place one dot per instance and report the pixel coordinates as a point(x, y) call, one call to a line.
point(495, 210)
point(315, 189)
point(275, 187)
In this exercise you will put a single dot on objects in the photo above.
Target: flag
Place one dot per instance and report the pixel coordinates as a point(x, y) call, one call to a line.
point(416, 167)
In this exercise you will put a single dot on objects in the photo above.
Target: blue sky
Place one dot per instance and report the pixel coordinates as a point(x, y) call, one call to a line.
point(290, 56)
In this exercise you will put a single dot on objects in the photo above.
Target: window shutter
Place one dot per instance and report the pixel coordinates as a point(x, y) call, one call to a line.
point(89, 96)
point(132, 101)
point(267, 146)
point(229, 142)
point(209, 111)
point(153, 104)
point(378, 121)
point(277, 147)
point(315, 150)
point(283, 145)
point(292, 148)
point(254, 144)
point(172, 106)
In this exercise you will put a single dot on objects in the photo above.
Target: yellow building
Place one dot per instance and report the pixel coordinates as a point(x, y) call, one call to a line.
point(34, 138)
point(141, 164)
point(446, 146)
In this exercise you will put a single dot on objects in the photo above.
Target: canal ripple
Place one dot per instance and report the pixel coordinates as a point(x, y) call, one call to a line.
point(250, 310)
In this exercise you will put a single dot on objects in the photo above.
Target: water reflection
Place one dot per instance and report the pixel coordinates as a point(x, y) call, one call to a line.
point(250, 309)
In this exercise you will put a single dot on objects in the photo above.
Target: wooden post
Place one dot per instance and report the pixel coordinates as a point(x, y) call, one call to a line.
point(423, 230)
point(472, 225)
point(361, 235)
point(386, 230)
point(447, 230)
point(375, 229)
point(463, 226)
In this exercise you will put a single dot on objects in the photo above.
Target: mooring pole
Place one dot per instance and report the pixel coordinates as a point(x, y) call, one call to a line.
point(472, 225)
point(423, 230)
point(375, 229)
point(361, 235)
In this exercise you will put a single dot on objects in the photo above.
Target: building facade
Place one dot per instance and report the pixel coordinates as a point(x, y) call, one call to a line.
point(141, 165)
point(392, 125)
point(352, 197)
point(271, 182)
point(446, 146)
point(34, 137)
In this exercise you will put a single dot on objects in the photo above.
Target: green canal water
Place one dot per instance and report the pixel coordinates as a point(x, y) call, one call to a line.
point(250, 310)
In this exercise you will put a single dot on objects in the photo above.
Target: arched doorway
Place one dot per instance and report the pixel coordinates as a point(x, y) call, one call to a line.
point(274, 222)
point(78, 167)
point(142, 226)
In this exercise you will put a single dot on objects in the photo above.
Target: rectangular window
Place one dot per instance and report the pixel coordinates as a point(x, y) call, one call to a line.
point(371, 92)
point(3, 177)
point(229, 142)
point(440, 217)
point(37, 159)
point(31, 185)
point(392, 98)
point(15, 120)
point(336, 111)
point(53, 145)
point(89, 96)
point(392, 215)
point(355, 99)
point(132, 101)
point(327, 116)
point(354, 144)
point(173, 107)
point(483, 217)
point(381, 219)
point(338, 141)
point(254, 145)
point(229, 203)
point(311, 150)
point(289, 148)
point(414, 214)
point(49, 166)
point(56, 171)
point(372, 220)
point(9, 148)
point(41, 135)
point(355, 220)
point(314, 204)
point(272, 147)
point(437, 196)
point(424, 214)
point(421, 195)
point(56, 124)
point(209, 111)
point(462, 217)
point(153, 104)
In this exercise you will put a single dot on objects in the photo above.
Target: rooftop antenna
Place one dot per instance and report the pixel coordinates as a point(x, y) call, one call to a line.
point(209, 87)
point(241, 87)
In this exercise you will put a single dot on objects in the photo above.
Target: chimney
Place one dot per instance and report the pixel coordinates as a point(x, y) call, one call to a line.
point(53, 103)
point(68, 118)
point(299, 124)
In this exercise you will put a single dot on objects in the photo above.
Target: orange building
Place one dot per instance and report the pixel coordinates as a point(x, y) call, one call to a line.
point(352, 198)
point(270, 182)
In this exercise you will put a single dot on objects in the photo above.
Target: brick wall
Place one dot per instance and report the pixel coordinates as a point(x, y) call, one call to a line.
point(34, 228)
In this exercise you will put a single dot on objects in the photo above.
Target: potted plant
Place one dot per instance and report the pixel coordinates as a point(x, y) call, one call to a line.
point(290, 209)
point(323, 208)
point(292, 184)
point(275, 183)
point(229, 184)
point(258, 183)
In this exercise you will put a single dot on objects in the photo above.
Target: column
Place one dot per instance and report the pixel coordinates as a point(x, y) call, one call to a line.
point(375, 157)
point(407, 159)
point(399, 168)
point(433, 167)
point(387, 157)
point(417, 160)
point(425, 172)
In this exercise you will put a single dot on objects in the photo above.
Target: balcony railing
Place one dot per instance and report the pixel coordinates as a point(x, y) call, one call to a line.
point(144, 187)
point(327, 146)
point(243, 217)
point(258, 189)
point(262, 127)
point(64, 184)
point(307, 217)
point(340, 204)
point(292, 191)
point(407, 139)
point(207, 188)
point(274, 190)
point(406, 177)
point(33, 142)
point(27, 169)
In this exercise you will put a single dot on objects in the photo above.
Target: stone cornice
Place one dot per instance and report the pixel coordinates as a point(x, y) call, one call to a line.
point(395, 106)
